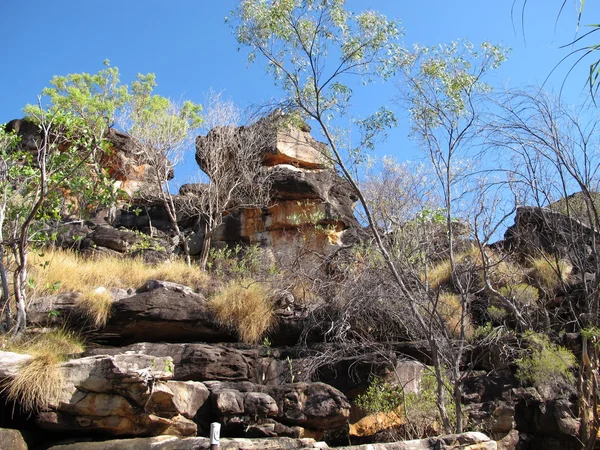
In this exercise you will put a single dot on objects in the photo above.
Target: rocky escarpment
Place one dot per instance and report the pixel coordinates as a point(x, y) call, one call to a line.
point(310, 203)
point(126, 166)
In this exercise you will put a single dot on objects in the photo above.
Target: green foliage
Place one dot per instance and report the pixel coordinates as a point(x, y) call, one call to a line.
point(417, 412)
point(544, 363)
point(381, 396)
point(524, 294)
point(93, 99)
point(497, 314)
point(156, 120)
point(239, 261)
point(444, 78)
point(310, 46)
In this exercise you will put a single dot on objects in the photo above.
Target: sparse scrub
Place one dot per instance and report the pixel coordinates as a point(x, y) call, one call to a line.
point(545, 364)
point(245, 307)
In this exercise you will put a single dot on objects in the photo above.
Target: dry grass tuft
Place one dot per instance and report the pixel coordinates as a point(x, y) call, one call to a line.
point(548, 273)
point(245, 307)
point(69, 272)
point(38, 384)
point(501, 271)
point(524, 294)
point(59, 343)
point(39, 381)
point(96, 304)
point(450, 309)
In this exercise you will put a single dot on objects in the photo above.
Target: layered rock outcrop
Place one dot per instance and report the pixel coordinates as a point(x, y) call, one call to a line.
point(311, 206)
point(127, 167)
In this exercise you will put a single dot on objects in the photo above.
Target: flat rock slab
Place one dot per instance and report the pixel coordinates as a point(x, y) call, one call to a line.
point(210, 362)
point(162, 314)
point(465, 441)
point(199, 443)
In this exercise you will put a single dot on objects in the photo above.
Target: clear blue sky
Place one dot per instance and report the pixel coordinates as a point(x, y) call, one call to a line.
point(191, 50)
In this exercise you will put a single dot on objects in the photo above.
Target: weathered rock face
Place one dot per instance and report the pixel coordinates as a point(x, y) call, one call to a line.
point(162, 314)
point(316, 406)
point(125, 165)
point(123, 395)
point(205, 362)
point(521, 417)
point(12, 439)
point(550, 231)
point(311, 206)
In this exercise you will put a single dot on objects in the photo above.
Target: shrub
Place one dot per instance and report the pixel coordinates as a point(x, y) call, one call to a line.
point(414, 415)
point(545, 364)
point(244, 306)
point(496, 314)
point(524, 294)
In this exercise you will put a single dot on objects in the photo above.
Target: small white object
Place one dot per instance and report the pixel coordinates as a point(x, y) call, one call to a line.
point(215, 432)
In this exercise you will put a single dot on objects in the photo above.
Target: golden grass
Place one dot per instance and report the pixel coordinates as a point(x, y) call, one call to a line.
point(500, 270)
point(38, 384)
point(245, 307)
point(58, 271)
point(439, 274)
point(548, 273)
point(450, 309)
point(96, 304)
point(39, 381)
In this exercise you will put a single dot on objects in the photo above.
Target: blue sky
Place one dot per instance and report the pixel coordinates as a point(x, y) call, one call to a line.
point(191, 50)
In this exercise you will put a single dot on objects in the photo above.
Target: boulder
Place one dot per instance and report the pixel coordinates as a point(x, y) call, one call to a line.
point(162, 314)
point(12, 440)
point(199, 362)
point(10, 363)
point(281, 143)
point(129, 169)
point(316, 406)
point(541, 229)
point(124, 395)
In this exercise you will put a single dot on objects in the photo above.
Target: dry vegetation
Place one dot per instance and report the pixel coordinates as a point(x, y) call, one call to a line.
point(39, 381)
point(71, 272)
point(245, 307)
point(549, 273)
point(58, 271)
point(450, 309)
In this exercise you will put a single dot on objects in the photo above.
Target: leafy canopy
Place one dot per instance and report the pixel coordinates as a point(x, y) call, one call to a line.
point(309, 45)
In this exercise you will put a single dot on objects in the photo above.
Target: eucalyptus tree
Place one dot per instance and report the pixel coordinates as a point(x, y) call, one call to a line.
point(162, 131)
point(445, 92)
point(62, 159)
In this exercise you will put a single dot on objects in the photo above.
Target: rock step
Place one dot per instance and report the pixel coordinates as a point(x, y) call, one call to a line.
point(470, 441)
point(199, 443)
